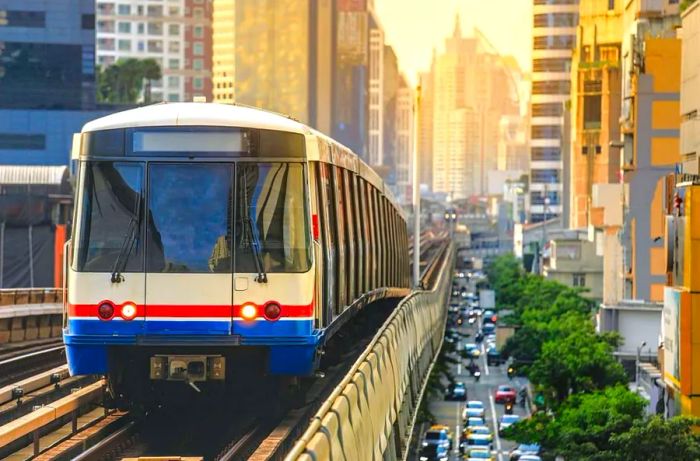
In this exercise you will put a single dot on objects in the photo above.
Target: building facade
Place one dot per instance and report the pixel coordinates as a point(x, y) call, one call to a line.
point(554, 36)
point(595, 104)
point(47, 78)
point(404, 142)
point(176, 34)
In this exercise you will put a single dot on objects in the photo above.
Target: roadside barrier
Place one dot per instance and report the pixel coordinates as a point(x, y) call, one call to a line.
point(371, 413)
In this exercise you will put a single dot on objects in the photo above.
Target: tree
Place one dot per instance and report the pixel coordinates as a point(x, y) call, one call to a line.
point(585, 424)
point(579, 362)
point(123, 81)
point(658, 439)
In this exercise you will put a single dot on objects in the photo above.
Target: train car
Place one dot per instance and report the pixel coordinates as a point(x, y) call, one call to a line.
point(212, 241)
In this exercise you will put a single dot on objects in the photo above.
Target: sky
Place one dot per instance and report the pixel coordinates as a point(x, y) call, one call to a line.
point(414, 27)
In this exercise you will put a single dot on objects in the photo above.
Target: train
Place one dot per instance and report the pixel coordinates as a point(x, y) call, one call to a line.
point(214, 241)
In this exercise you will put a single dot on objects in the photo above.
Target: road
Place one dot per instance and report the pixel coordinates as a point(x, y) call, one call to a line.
point(450, 413)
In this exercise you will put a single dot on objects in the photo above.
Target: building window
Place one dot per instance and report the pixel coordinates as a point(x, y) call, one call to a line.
point(611, 4)
point(155, 46)
point(197, 64)
point(155, 28)
point(124, 27)
point(87, 21)
point(173, 81)
point(105, 26)
point(198, 13)
point(9, 141)
point(174, 47)
point(124, 10)
point(545, 154)
point(198, 32)
point(141, 46)
point(579, 280)
point(198, 48)
point(124, 45)
point(592, 111)
point(173, 97)
point(155, 11)
point(546, 132)
point(173, 11)
point(15, 18)
point(174, 29)
point(198, 83)
point(174, 64)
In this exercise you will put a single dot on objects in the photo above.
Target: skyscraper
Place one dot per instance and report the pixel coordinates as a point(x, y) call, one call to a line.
point(47, 78)
point(177, 35)
point(554, 36)
point(281, 56)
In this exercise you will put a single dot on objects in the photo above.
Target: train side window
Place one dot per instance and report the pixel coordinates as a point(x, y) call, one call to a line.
point(350, 240)
point(386, 249)
point(376, 249)
point(393, 264)
point(325, 220)
point(371, 256)
point(363, 235)
point(337, 203)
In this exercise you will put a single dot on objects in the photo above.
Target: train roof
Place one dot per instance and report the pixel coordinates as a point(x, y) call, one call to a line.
point(233, 115)
point(196, 114)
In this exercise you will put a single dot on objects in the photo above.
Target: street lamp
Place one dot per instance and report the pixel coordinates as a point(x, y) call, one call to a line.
point(639, 353)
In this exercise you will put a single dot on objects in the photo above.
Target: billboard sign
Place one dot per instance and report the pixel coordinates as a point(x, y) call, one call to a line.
point(671, 334)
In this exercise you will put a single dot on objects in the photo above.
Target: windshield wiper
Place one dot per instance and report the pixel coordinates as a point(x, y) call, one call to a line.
point(127, 245)
point(249, 238)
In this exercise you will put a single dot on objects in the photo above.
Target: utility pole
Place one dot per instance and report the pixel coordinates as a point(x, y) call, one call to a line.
point(416, 191)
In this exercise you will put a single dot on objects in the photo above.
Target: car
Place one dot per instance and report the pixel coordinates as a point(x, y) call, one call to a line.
point(479, 440)
point(434, 453)
point(477, 310)
point(474, 421)
point(473, 408)
point(490, 315)
point(524, 449)
point(488, 328)
point(454, 308)
point(472, 350)
point(438, 435)
point(507, 421)
point(493, 357)
point(505, 393)
point(478, 430)
point(478, 454)
point(457, 391)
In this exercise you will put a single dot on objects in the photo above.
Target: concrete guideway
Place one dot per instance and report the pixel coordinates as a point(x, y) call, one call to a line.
point(371, 413)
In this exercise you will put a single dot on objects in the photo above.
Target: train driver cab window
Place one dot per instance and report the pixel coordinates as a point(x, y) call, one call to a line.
point(188, 220)
point(109, 233)
point(271, 225)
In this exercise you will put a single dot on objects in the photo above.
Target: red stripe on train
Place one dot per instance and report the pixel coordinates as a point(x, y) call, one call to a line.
point(190, 310)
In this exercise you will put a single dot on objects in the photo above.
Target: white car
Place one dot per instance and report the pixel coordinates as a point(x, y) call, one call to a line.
point(473, 408)
point(507, 421)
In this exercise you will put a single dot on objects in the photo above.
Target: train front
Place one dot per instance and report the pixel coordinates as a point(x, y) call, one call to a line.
point(191, 253)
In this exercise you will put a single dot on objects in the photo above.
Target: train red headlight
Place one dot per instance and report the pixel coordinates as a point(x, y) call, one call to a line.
point(128, 311)
point(105, 311)
point(249, 311)
point(272, 311)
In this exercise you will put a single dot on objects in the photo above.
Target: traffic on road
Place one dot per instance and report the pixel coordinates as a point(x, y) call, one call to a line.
point(486, 396)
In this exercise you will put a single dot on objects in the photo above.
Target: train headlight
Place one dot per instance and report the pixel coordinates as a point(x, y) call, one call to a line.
point(105, 311)
point(249, 311)
point(272, 311)
point(128, 311)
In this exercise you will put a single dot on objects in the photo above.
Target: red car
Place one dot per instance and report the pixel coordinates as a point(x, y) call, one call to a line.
point(505, 394)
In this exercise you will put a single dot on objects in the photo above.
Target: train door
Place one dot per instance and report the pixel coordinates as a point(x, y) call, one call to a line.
point(189, 248)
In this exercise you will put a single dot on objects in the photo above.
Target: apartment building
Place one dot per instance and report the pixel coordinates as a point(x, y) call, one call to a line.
point(554, 35)
point(177, 34)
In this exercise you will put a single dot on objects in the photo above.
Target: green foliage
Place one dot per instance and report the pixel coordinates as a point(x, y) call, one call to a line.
point(686, 3)
point(658, 439)
point(585, 424)
point(123, 81)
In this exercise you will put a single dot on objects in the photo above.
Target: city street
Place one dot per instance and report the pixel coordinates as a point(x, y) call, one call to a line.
point(449, 413)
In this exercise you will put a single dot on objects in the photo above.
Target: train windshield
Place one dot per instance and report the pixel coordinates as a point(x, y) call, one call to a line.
point(198, 217)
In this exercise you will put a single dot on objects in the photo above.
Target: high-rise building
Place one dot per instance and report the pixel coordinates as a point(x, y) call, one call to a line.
point(404, 141)
point(595, 105)
point(281, 58)
point(471, 88)
point(425, 128)
point(47, 78)
point(390, 94)
point(376, 96)
point(177, 34)
point(554, 36)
